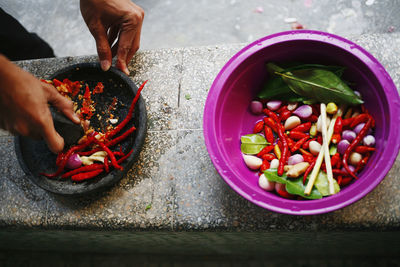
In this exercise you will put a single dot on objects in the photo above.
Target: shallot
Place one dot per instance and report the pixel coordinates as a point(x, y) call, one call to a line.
point(294, 159)
point(74, 161)
point(355, 158)
point(274, 105)
point(342, 146)
point(369, 140)
point(256, 107)
point(303, 111)
point(349, 135)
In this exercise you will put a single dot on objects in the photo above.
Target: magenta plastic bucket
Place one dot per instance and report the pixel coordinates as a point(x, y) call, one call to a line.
point(227, 116)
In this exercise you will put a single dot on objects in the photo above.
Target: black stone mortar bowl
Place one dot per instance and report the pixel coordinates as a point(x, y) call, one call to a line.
point(35, 157)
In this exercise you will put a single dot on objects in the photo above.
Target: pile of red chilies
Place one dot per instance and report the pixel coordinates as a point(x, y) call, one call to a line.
point(298, 139)
point(104, 144)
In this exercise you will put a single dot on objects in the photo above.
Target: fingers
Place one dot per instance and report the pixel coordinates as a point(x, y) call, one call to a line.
point(61, 103)
point(125, 43)
point(129, 39)
point(54, 141)
point(136, 44)
point(112, 34)
point(103, 48)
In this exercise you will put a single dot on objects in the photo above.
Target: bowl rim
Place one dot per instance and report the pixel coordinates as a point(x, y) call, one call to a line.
point(294, 207)
point(115, 175)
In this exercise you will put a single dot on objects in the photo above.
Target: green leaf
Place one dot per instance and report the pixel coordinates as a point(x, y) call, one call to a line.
point(296, 187)
point(293, 186)
point(338, 70)
point(322, 184)
point(188, 97)
point(321, 85)
point(252, 143)
point(272, 175)
point(275, 87)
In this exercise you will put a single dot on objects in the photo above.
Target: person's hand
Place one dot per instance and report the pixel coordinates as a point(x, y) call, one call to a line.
point(24, 105)
point(111, 20)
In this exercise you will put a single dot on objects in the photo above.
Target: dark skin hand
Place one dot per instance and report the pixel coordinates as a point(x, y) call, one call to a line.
point(110, 21)
point(24, 105)
point(116, 26)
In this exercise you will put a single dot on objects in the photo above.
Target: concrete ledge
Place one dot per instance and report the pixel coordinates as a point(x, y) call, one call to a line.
point(174, 174)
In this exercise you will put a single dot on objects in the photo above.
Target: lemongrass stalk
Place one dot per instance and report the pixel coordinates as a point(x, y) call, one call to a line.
point(315, 171)
point(325, 149)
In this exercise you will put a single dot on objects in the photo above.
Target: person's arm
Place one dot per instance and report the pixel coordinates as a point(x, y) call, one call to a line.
point(111, 20)
point(24, 105)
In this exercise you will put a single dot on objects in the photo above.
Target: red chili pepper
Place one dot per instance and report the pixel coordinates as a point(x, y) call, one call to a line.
point(307, 144)
point(271, 114)
point(125, 157)
point(265, 165)
point(56, 82)
point(347, 122)
point(99, 88)
point(337, 128)
point(110, 154)
point(285, 115)
point(280, 145)
point(66, 157)
point(91, 167)
point(335, 160)
point(312, 118)
point(308, 170)
point(282, 160)
point(268, 157)
point(315, 109)
point(353, 144)
point(298, 144)
point(339, 180)
point(129, 115)
point(106, 164)
point(304, 127)
point(340, 172)
point(305, 152)
point(359, 119)
point(362, 163)
point(289, 140)
point(282, 109)
point(346, 181)
point(87, 93)
point(268, 134)
point(364, 149)
point(60, 158)
point(258, 127)
point(336, 138)
point(110, 143)
point(270, 123)
point(297, 135)
point(85, 175)
point(265, 150)
point(319, 139)
point(308, 158)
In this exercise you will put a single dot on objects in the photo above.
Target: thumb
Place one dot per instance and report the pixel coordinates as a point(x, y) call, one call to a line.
point(103, 47)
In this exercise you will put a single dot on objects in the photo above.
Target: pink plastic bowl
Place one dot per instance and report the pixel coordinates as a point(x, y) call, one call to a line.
point(227, 116)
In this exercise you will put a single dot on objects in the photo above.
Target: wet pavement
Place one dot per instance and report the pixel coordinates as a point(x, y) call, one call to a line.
point(182, 23)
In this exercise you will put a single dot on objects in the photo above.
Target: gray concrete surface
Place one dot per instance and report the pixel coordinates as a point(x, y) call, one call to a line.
point(184, 194)
point(180, 23)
